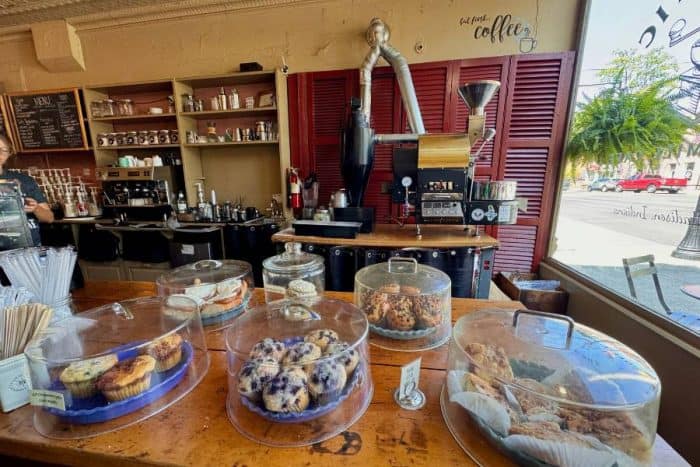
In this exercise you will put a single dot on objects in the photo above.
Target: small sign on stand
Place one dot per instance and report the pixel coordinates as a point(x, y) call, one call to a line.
point(407, 395)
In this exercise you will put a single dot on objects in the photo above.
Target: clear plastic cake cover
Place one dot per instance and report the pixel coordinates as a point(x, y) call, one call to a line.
point(222, 288)
point(298, 372)
point(548, 390)
point(404, 272)
point(115, 365)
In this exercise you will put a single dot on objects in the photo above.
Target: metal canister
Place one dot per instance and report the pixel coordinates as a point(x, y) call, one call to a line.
point(245, 136)
point(226, 211)
point(187, 103)
point(164, 137)
point(260, 131)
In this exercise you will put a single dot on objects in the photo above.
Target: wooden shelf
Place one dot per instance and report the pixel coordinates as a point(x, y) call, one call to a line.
point(230, 79)
point(134, 88)
point(135, 118)
point(230, 113)
point(230, 143)
point(139, 146)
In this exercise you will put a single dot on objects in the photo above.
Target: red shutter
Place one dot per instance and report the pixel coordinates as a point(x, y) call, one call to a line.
point(430, 81)
point(531, 147)
point(329, 104)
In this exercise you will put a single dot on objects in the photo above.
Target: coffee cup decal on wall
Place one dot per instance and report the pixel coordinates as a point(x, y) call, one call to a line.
point(527, 43)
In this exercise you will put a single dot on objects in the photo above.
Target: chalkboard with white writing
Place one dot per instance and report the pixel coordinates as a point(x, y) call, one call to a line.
point(48, 121)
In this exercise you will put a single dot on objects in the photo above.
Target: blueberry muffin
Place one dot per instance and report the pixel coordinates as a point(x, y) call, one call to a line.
point(287, 392)
point(269, 347)
point(428, 311)
point(375, 306)
point(254, 374)
point(322, 337)
point(349, 358)
point(80, 377)
point(400, 315)
point(301, 353)
point(326, 381)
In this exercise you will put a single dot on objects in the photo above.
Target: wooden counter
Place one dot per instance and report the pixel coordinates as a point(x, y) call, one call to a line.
point(393, 236)
point(196, 430)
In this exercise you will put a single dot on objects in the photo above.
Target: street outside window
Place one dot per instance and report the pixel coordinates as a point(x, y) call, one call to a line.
point(630, 217)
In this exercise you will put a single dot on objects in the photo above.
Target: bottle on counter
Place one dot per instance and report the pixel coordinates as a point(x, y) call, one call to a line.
point(233, 99)
point(211, 132)
point(226, 212)
point(215, 208)
point(181, 205)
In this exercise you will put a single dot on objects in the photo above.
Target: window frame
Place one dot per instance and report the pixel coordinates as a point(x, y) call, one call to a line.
point(649, 318)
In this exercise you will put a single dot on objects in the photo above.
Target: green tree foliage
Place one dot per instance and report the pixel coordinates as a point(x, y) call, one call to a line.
point(633, 118)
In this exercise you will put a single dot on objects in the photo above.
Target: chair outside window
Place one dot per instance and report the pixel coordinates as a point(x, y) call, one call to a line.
point(648, 268)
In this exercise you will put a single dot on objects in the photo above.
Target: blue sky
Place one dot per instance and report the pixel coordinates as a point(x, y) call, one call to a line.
point(619, 24)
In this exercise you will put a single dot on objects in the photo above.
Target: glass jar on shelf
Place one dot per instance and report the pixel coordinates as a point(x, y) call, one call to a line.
point(125, 107)
point(294, 274)
point(153, 137)
point(164, 137)
point(143, 137)
point(132, 138)
point(96, 109)
point(109, 108)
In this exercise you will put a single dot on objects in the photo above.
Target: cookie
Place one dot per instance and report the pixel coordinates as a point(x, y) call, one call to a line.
point(80, 377)
point(326, 381)
point(409, 290)
point(400, 315)
point(301, 353)
point(375, 305)
point(390, 288)
point(254, 374)
point(299, 288)
point(349, 358)
point(489, 361)
point(428, 311)
point(322, 337)
point(287, 391)
point(269, 347)
point(127, 379)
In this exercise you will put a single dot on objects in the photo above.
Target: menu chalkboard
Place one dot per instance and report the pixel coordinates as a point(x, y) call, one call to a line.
point(48, 121)
point(4, 128)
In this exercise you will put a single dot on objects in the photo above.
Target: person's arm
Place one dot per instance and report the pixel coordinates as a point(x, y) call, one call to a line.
point(42, 211)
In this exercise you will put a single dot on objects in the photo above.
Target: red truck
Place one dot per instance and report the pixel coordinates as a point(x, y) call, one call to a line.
point(651, 184)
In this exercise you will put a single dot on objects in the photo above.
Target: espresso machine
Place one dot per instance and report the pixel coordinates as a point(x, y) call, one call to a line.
point(433, 173)
point(138, 193)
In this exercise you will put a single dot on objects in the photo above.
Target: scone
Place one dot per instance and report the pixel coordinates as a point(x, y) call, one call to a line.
point(322, 337)
point(400, 315)
point(299, 288)
point(490, 361)
point(349, 358)
point(127, 379)
point(428, 311)
point(390, 288)
point(229, 295)
point(301, 354)
point(326, 381)
point(180, 306)
point(167, 351)
point(80, 377)
point(269, 347)
point(254, 374)
point(375, 305)
point(287, 391)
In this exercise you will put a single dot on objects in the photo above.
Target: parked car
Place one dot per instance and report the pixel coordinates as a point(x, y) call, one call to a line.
point(603, 184)
point(651, 184)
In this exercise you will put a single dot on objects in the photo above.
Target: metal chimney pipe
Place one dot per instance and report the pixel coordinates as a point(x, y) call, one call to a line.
point(377, 36)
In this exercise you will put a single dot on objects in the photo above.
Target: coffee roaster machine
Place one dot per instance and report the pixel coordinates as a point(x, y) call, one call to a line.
point(433, 173)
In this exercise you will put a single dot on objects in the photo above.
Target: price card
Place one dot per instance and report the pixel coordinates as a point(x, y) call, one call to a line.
point(44, 398)
point(410, 376)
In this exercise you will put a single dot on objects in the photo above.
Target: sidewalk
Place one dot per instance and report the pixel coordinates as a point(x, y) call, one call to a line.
point(603, 263)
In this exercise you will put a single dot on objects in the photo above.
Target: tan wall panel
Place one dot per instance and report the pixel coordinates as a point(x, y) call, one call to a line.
point(251, 172)
point(314, 36)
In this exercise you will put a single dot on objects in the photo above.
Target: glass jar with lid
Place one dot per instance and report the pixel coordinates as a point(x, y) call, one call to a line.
point(223, 288)
point(408, 305)
point(548, 391)
point(125, 107)
point(115, 365)
point(96, 109)
point(294, 274)
point(298, 372)
point(109, 108)
point(164, 137)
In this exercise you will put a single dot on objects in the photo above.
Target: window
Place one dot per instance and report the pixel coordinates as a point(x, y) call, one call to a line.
point(630, 218)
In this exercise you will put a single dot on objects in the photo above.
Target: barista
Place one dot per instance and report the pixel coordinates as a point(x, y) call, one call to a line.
point(35, 204)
